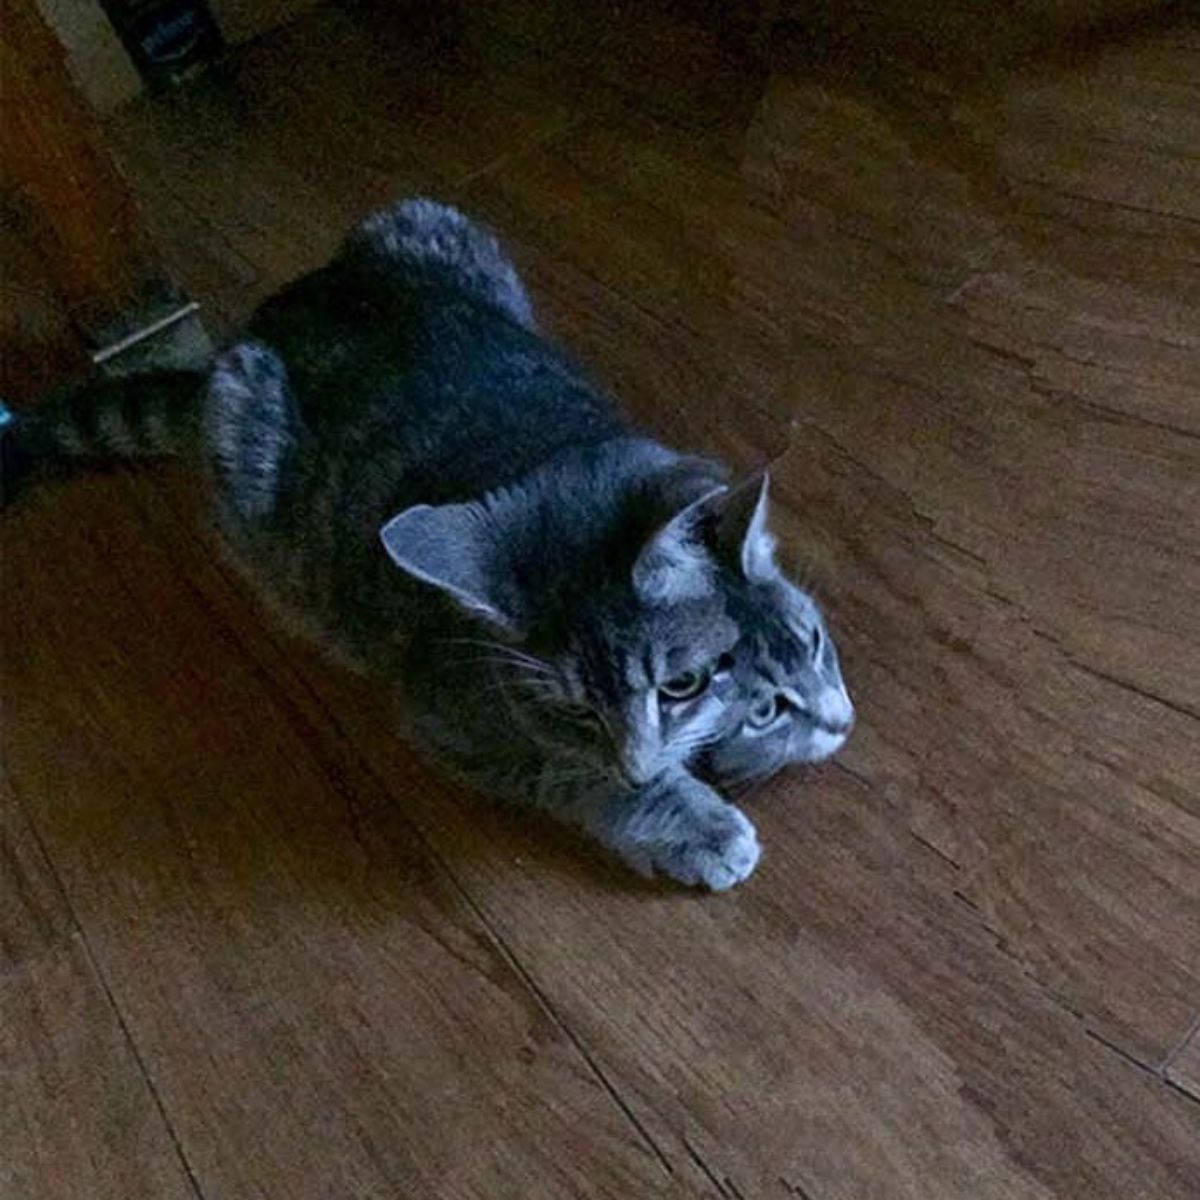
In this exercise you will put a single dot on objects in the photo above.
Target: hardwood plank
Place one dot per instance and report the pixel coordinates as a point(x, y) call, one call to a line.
point(317, 1005)
point(36, 918)
point(38, 346)
point(78, 1118)
point(1183, 1069)
point(77, 209)
point(1120, 205)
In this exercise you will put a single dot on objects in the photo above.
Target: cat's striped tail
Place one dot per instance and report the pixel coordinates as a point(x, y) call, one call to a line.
point(151, 415)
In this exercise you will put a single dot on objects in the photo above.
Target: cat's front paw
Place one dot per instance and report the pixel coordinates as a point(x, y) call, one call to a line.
point(717, 848)
point(679, 827)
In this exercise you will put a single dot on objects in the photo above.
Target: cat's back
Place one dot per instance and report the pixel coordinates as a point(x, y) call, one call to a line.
point(455, 393)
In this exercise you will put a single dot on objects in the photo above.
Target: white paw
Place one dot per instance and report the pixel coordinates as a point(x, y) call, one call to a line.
point(719, 850)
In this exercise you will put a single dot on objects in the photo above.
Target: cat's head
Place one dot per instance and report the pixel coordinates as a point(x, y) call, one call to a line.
point(603, 609)
point(789, 704)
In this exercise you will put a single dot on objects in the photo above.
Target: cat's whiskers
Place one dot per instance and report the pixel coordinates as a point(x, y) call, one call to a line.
point(530, 685)
point(558, 776)
point(516, 664)
point(510, 653)
point(697, 741)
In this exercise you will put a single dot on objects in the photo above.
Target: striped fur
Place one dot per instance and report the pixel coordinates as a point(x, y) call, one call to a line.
point(141, 416)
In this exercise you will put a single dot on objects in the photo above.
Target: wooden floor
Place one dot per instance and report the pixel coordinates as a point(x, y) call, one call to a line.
point(250, 948)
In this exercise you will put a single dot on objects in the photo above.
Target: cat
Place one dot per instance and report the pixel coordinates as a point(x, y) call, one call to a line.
point(570, 614)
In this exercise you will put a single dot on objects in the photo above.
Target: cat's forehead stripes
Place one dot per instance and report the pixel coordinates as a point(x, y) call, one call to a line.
point(784, 646)
point(770, 635)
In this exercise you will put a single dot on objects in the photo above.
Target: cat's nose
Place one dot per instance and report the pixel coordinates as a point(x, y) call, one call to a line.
point(835, 712)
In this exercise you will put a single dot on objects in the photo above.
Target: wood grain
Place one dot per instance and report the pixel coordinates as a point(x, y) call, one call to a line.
point(39, 346)
point(77, 208)
point(1183, 1069)
point(78, 1117)
point(941, 272)
point(36, 918)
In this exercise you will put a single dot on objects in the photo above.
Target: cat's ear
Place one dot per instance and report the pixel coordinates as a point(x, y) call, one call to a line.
point(741, 529)
point(455, 547)
point(675, 564)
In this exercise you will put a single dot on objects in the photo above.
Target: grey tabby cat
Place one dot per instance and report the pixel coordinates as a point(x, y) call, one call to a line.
point(570, 615)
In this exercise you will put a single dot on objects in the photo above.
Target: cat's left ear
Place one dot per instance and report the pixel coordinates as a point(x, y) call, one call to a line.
point(458, 549)
point(675, 564)
point(741, 530)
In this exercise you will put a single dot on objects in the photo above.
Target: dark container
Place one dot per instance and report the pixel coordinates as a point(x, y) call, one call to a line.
point(167, 39)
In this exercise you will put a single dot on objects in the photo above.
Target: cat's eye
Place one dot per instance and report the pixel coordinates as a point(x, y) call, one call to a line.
point(685, 686)
point(765, 710)
point(818, 640)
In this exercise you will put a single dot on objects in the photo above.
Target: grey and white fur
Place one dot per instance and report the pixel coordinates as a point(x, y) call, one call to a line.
point(569, 614)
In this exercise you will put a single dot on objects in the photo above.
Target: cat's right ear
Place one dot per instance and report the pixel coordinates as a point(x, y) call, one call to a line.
point(742, 534)
point(455, 547)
